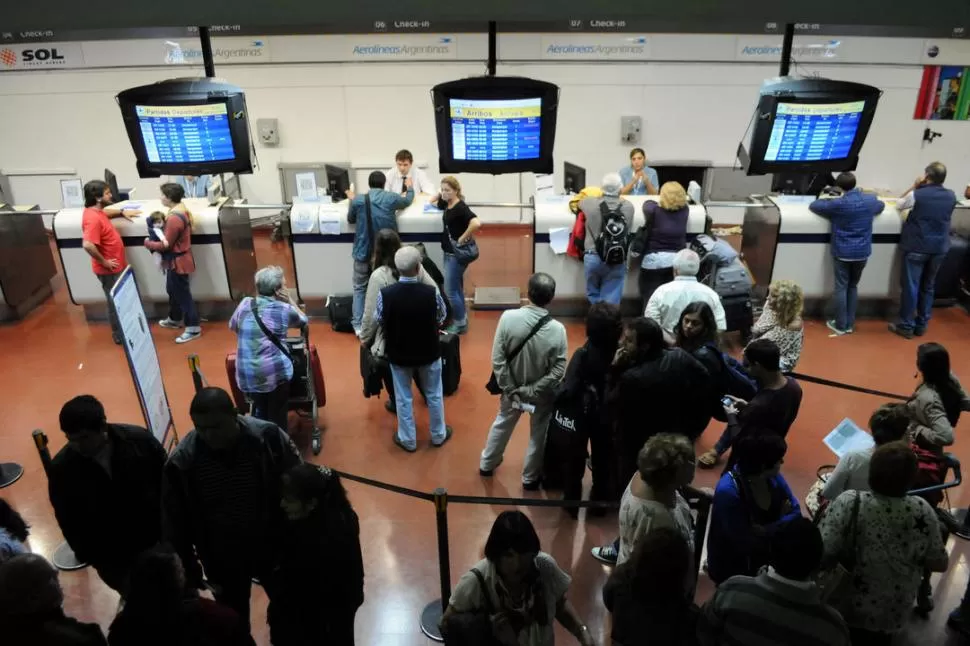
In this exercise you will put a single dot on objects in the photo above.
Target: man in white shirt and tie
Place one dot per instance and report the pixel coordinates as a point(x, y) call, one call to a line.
point(670, 299)
point(404, 169)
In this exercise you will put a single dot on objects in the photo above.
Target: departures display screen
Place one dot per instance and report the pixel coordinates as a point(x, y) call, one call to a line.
point(178, 134)
point(809, 132)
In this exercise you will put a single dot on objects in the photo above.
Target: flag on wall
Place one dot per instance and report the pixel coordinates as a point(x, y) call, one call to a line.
point(944, 93)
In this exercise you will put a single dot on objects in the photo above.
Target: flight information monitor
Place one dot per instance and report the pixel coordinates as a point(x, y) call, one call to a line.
point(496, 130)
point(178, 134)
point(812, 132)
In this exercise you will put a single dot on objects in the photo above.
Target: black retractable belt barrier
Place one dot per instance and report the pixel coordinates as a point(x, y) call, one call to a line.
point(838, 384)
point(63, 557)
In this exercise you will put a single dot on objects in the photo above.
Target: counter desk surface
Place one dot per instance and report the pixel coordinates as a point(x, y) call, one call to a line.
point(803, 253)
point(209, 283)
point(322, 260)
point(553, 212)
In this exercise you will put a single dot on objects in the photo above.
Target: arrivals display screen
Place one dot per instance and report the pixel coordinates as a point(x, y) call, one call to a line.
point(190, 126)
point(495, 130)
point(808, 125)
point(495, 125)
point(813, 132)
point(179, 134)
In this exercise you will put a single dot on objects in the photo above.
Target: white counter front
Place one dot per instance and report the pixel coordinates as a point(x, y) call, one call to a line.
point(209, 282)
point(323, 261)
point(553, 213)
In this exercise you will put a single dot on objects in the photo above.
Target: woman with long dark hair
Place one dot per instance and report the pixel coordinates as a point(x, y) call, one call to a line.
point(318, 583)
point(158, 610)
point(936, 405)
point(178, 263)
point(697, 328)
point(384, 274)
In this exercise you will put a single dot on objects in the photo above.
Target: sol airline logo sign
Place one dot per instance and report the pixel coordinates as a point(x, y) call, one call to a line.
point(33, 56)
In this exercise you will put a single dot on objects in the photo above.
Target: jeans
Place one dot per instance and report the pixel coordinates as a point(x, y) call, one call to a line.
point(404, 399)
point(649, 280)
point(273, 406)
point(180, 303)
point(917, 281)
point(388, 378)
point(845, 294)
point(604, 283)
point(361, 276)
point(107, 282)
point(501, 432)
point(455, 288)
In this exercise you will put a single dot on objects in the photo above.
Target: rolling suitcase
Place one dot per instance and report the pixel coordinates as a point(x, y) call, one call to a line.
point(738, 314)
point(450, 362)
point(340, 311)
point(319, 385)
point(953, 272)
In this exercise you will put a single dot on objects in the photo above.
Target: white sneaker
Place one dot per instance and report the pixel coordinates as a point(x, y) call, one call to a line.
point(170, 324)
point(188, 335)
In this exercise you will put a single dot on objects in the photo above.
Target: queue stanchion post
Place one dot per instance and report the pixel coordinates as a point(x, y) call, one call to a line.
point(434, 611)
point(195, 367)
point(63, 556)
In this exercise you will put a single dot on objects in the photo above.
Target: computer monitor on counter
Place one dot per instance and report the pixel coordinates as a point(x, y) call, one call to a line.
point(574, 178)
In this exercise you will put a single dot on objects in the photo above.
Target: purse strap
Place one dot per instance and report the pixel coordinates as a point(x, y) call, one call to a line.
point(535, 329)
point(370, 228)
point(275, 340)
point(849, 540)
point(487, 598)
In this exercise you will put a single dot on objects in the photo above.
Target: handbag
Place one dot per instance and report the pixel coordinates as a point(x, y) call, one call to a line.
point(814, 502)
point(466, 253)
point(472, 628)
point(835, 582)
point(492, 385)
point(371, 372)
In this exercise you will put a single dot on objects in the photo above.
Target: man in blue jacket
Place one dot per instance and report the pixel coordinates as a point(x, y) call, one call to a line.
point(851, 216)
point(924, 241)
point(383, 207)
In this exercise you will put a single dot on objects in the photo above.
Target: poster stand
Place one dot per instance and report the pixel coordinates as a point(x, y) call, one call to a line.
point(139, 345)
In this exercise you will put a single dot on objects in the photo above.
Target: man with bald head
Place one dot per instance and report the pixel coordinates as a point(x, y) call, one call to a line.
point(221, 497)
point(924, 241)
point(410, 313)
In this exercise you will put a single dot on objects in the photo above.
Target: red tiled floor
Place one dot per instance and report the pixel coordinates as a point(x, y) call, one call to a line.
point(54, 354)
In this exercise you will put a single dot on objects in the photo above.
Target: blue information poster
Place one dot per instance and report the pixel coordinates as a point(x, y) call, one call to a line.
point(805, 132)
point(177, 134)
point(502, 130)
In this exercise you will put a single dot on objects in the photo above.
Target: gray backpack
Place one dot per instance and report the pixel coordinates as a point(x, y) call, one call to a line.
point(731, 280)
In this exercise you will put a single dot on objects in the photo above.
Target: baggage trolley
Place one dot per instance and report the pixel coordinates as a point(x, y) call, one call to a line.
point(307, 388)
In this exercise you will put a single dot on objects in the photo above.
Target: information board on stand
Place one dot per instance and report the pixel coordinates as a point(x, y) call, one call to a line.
point(142, 357)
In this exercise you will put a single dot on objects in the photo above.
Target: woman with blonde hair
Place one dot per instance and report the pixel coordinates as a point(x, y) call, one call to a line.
point(460, 225)
point(781, 321)
point(665, 225)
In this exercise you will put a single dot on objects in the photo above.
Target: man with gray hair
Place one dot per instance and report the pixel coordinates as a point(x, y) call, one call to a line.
point(609, 223)
point(528, 362)
point(670, 299)
point(263, 368)
point(410, 313)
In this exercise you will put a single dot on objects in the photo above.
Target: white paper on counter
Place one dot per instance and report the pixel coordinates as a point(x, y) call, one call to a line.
point(545, 184)
point(848, 437)
point(303, 217)
point(306, 187)
point(330, 216)
point(559, 240)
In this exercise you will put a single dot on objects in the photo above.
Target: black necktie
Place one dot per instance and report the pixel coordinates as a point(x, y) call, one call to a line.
point(404, 184)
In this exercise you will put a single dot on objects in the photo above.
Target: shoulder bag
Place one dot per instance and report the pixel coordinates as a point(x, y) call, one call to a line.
point(171, 255)
point(473, 628)
point(372, 235)
point(466, 253)
point(835, 582)
point(492, 385)
point(275, 340)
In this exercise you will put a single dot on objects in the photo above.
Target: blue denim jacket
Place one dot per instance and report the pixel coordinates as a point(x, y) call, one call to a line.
point(851, 217)
point(383, 211)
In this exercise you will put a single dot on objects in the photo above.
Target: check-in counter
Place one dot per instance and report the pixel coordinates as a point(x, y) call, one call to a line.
point(26, 263)
point(552, 212)
point(222, 246)
point(323, 262)
point(801, 251)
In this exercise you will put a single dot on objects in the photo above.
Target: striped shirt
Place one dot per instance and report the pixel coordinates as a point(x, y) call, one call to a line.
point(260, 366)
point(768, 610)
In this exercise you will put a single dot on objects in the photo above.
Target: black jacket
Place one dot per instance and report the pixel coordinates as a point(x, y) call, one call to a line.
point(110, 519)
point(667, 394)
point(186, 523)
point(51, 629)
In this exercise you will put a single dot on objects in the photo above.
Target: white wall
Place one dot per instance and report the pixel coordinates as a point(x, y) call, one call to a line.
point(67, 120)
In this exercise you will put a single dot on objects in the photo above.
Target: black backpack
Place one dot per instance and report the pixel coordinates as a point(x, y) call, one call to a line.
point(614, 236)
